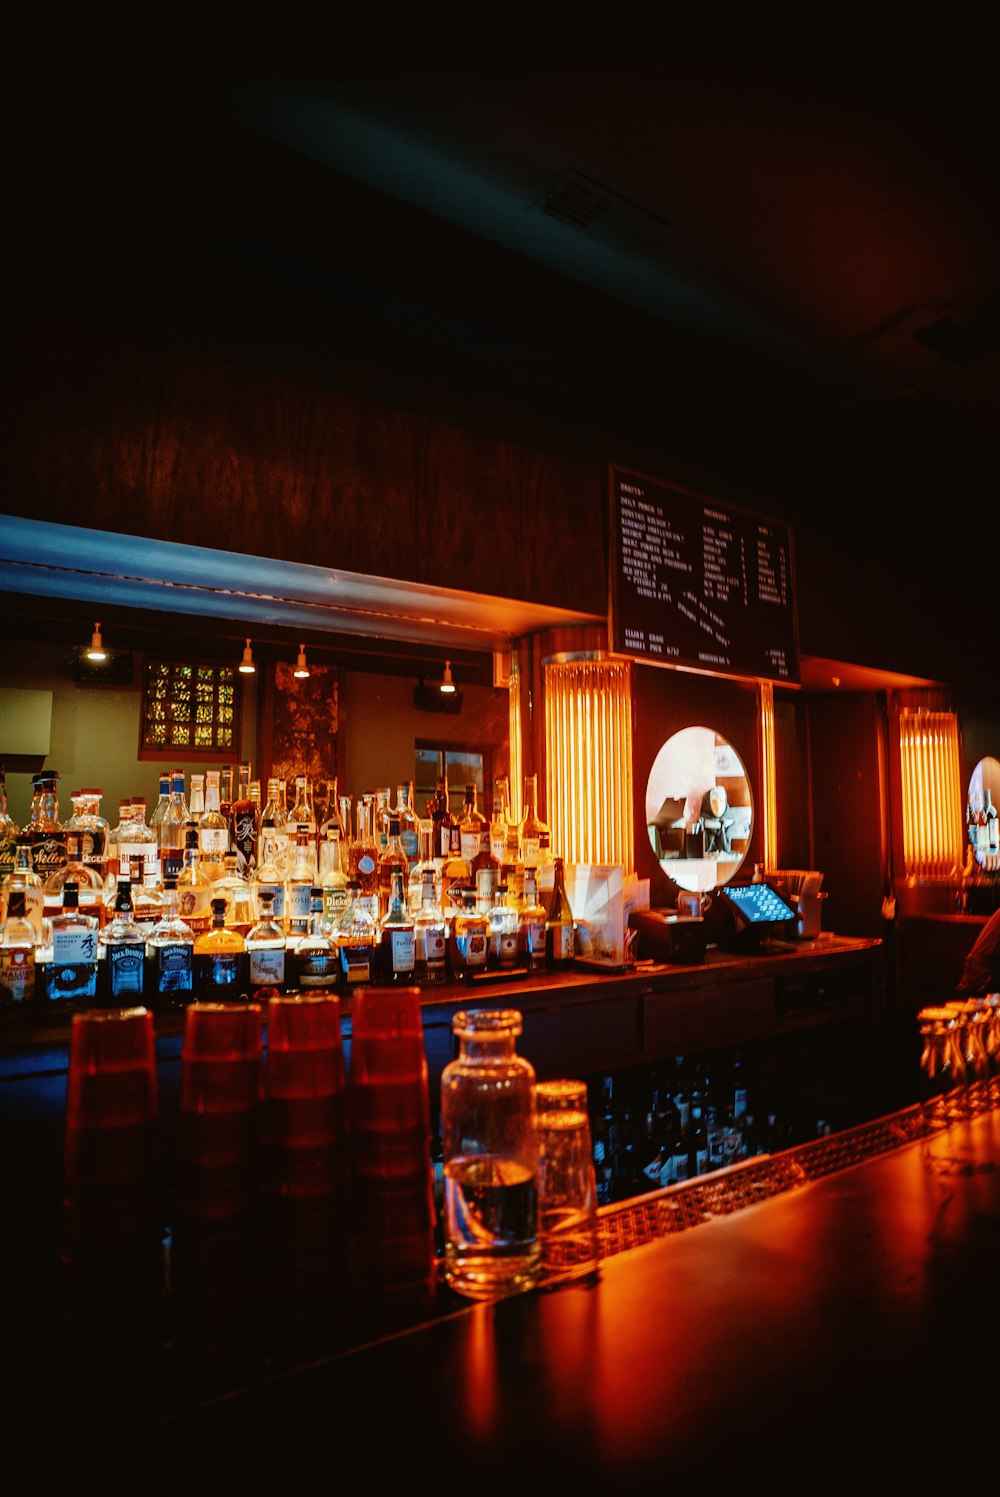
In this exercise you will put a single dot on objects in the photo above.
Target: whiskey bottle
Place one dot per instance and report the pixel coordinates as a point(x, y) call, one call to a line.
point(392, 860)
point(299, 884)
point(92, 829)
point(194, 891)
point(43, 827)
point(408, 824)
point(221, 973)
point(426, 864)
point(395, 953)
point(172, 832)
point(531, 926)
point(332, 873)
point(163, 796)
point(170, 953)
point(137, 847)
point(430, 935)
point(500, 819)
point(362, 859)
point(445, 821)
point(316, 958)
point(9, 831)
point(196, 800)
point(356, 939)
point(25, 880)
point(302, 814)
point(274, 826)
point(559, 935)
point(535, 848)
point(213, 830)
point(473, 827)
point(238, 892)
point(124, 950)
point(502, 933)
point(244, 824)
point(268, 878)
point(468, 940)
point(89, 884)
point(266, 950)
point(17, 953)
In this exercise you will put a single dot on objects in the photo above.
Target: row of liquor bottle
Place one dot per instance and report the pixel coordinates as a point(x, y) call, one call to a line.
point(697, 1113)
point(74, 960)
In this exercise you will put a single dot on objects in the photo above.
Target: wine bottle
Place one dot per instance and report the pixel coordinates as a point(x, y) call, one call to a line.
point(560, 942)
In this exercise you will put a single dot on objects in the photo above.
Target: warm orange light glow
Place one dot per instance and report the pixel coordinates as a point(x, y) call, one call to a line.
point(769, 787)
point(932, 798)
point(588, 761)
point(516, 760)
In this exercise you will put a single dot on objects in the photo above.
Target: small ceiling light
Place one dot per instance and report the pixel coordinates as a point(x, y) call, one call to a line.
point(247, 667)
point(447, 684)
point(301, 671)
point(96, 650)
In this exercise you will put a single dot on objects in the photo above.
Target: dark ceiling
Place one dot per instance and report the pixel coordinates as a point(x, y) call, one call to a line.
point(607, 239)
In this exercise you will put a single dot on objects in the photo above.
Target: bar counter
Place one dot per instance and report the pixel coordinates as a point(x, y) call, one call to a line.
point(838, 1333)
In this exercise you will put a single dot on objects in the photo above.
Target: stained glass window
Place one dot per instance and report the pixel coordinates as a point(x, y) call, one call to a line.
point(190, 707)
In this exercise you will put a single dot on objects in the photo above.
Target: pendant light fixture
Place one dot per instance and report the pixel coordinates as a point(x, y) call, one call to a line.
point(95, 650)
point(247, 667)
point(301, 671)
point(447, 683)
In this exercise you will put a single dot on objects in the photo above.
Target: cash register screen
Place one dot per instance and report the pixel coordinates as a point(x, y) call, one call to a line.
point(758, 903)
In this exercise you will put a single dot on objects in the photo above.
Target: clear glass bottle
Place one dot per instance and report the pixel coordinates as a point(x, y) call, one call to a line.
point(531, 926)
point(316, 958)
point(490, 1156)
point(468, 939)
point(123, 944)
point(299, 884)
point(18, 947)
point(244, 823)
point(194, 891)
point(430, 936)
point(362, 858)
point(238, 892)
point(392, 860)
point(395, 944)
point(92, 828)
point(499, 821)
point(170, 953)
point(302, 813)
point(426, 863)
point(274, 829)
point(332, 873)
point(560, 941)
point(356, 939)
point(89, 884)
point(137, 846)
point(502, 937)
point(213, 830)
point(163, 796)
point(23, 878)
point(266, 949)
point(172, 832)
point(268, 877)
point(408, 823)
point(221, 972)
point(535, 840)
point(196, 800)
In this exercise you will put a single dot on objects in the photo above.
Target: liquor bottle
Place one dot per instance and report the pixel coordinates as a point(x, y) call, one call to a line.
point(332, 873)
point(502, 932)
point(163, 796)
point(196, 801)
point(9, 832)
point(468, 940)
point(244, 824)
point(473, 827)
point(445, 821)
point(362, 859)
point(356, 939)
point(698, 1156)
point(408, 824)
point(137, 847)
point(225, 791)
point(392, 860)
point(194, 890)
point(395, 944)
point(559, 936)
point(430, 935)
point(484, 871)
point(170, 953)
point(332, 815)
point(299, 884)
point(213, 830)
point(274, 818)
point(531, 924)
point(43, 827)
point(302, 813)
point(266, 949)
point(500, 819)
point(426, 864)
point(992, 825)
point(238, 892)
point(92, 830)
point(316, 959)
point(535, 841)
point(123, 943)
point(221, 972)
point(455, 872)
point(23, 878)
point(380, 815)
point(89, 884)
point(18, 945)
point(172, 832)
point(268, 878)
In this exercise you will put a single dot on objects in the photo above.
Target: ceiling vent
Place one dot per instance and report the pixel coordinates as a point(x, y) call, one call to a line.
point(584, 205)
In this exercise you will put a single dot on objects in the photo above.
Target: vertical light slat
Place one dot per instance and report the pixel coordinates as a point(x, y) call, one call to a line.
point(588, 739)
point(931, 794)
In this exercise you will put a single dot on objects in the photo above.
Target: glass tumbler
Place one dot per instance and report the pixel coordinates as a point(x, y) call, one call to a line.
point(567, 1183)
point(490, 1156)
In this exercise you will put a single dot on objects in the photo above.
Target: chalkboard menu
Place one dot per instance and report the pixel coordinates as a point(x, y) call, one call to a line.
point(699, 585)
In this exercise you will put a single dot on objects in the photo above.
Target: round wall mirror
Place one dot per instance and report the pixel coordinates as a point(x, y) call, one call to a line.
point(699, 811)
point(983, 813)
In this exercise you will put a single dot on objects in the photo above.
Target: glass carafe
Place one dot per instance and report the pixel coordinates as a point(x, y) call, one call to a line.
point(490, 1155)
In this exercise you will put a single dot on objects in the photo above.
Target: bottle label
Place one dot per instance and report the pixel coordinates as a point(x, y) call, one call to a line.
point(219, 970)
point(172, 968)
point(277, 891)
point(267, 966)
point(125, 967)
point(486, 883)
point(17, 974)
point(213, 843)
point(144, 860)
point(298, 901)
point(366, 865)
point(48, 852)
point(505, 947)
point(73, 945)
point(355, 962)
point(562, 943)
point(401, 946)
point(409, 843)
point(335, 901)
point(534, 936)
point(531, 851)
point(471, 945)
point(472, 844)
point(430, 945)
point(317, 968)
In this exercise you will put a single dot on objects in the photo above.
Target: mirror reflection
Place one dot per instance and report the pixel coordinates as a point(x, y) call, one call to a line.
point(699, 810)
point(982, 818)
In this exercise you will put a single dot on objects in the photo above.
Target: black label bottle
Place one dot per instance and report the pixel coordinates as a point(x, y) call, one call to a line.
point(560, 944)
point(124, 950)
point(170, 953)
point(395, 950)
point(221, 973)
point(72, 971)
